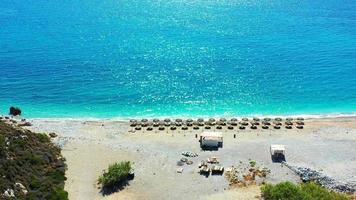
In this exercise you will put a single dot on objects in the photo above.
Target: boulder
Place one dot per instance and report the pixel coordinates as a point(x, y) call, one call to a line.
point(14, 111)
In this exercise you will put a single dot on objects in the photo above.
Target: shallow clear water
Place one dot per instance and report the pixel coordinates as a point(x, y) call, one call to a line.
point(124, 58)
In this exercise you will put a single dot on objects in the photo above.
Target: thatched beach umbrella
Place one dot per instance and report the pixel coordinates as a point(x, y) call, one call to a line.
point(277, 123)
point(289, 123)
point(167, 120)
point(266, 123)
point(278, 119)
point(167, 123)
point(300, 119)
point(233, 120)
point(190, 120)
point(245, 119)
point(212, 120)
point(233, 123)
point(244, 123)
point(144, 120)
point(267, 119)
point(133, 120)
point(184, 128)
point(289, 119)
point(133, 124)
point(156, 124)
point(253, 127)
point(256, 119)
point(200, 123)
point(222, 120)
point(155, 120)
point(300, 122)
point(179, 120)
point(255, 123)
point(200, 120)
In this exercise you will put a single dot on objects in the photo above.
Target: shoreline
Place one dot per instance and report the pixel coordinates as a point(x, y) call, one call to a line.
point(125, 119)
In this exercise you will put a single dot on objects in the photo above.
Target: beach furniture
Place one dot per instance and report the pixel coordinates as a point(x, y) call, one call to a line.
point(277, 152)
point(180, 170)
point(189, 162)
point(213, 160)
point(204, 170)
point(217, 169)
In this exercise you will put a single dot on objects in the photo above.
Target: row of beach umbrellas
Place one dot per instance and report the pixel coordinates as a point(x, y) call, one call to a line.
point(184, 124)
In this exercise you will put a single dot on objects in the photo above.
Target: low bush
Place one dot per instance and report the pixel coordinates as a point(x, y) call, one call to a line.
point(304, 191)
point(34, 161)
point(116, 174)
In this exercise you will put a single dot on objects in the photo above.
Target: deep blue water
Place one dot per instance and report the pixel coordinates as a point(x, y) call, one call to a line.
point(123, 58)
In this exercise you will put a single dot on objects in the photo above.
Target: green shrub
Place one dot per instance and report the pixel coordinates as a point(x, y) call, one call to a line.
point(116, 174)
point(319, 193)
point(283, 191)
point(304, 191)
point(42, 137)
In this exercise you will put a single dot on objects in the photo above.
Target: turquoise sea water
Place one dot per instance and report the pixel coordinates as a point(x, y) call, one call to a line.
point(124, 58)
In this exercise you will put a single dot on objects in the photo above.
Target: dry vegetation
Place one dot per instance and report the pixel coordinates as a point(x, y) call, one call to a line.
point(31, 167)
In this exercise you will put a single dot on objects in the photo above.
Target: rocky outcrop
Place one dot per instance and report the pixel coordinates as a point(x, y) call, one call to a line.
point(15, 111)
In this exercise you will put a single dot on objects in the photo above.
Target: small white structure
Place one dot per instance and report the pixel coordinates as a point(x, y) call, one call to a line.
point(278, 152)
point(211, 139)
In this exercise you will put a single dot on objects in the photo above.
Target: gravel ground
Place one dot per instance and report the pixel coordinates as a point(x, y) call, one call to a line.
point(326, 145)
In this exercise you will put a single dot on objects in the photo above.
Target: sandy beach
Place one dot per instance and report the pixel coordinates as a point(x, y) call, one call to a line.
point(89, 146)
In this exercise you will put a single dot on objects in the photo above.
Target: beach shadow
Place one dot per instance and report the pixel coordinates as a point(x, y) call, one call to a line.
point(117, 187)
point(278, 159)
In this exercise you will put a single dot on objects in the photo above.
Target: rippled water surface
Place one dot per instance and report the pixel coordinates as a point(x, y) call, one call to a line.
point(123, 58)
